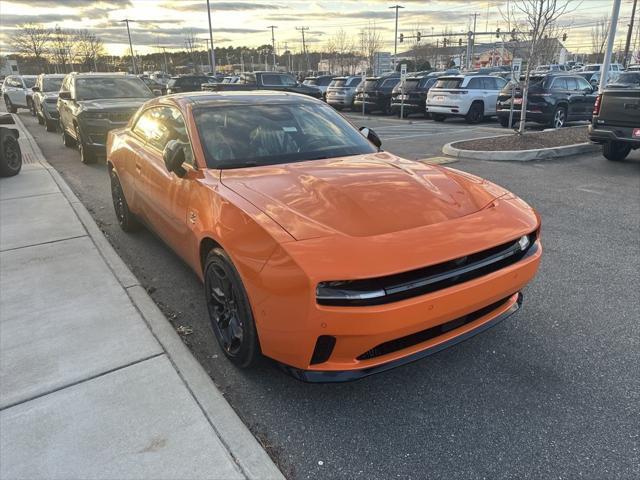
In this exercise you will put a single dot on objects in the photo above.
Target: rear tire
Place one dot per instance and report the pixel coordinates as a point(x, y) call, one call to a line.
point(616, 151)
point(128, 221)
point(475, 114)
point(504, 122)
point(229, 310)
point(10, 156)
point(41, 121)
point(438, 117)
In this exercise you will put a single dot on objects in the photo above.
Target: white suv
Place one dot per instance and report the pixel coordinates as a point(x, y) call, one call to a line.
point(16, 91)
point(473, 97)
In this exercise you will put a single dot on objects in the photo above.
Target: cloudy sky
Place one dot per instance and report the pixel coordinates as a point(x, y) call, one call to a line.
point(244, 22)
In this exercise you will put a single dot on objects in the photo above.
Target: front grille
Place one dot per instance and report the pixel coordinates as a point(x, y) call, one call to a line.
point(433, 332)
point(404, 285)
point(120, 117)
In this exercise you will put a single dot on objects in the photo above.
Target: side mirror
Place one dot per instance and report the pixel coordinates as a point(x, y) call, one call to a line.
point(157, 92)
point(587, 90)
point(35, 89)
point(173, 156)
point(64, 95)
point(371, 136)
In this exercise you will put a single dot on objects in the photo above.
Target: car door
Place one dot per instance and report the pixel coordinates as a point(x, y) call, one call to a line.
point(164, 196)
point(576, 99)
point(492, 87)
point(559, 90)
point(15, 91)
point(589, 95)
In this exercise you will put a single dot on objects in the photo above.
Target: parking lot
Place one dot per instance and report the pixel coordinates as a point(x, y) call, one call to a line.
point(553, 392)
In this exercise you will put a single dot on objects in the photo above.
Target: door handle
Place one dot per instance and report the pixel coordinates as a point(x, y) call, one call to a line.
point(138, 167)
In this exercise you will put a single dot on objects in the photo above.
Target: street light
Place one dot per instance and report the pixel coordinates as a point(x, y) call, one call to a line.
point(133, 60)
point(395, 39)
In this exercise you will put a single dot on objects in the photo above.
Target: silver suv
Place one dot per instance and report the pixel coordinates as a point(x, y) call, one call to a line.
point(45, 98)
point(342, 91)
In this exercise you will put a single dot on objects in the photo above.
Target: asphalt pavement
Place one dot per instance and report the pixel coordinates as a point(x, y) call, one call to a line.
point(553, 392)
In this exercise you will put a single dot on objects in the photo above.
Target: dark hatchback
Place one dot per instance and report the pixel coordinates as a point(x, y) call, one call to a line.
point(415, 95)
point(187, 83)
point(376, 92)
point(554, 100)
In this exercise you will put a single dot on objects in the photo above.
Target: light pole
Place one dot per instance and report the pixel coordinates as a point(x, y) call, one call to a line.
point(273, 45)
point(213, 50)
point(395, 39)
point(133, 59)
point(604, 70)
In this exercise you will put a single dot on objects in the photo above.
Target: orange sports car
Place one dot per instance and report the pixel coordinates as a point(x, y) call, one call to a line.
point(316, 248)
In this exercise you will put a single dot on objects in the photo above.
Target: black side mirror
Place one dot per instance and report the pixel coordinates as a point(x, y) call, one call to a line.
point(173, 156)
point(64, 95)
point(35, 89)
point(371, 136)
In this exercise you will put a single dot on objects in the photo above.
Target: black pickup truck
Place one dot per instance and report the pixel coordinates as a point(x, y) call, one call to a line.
point(616, 121)
point(282, 82)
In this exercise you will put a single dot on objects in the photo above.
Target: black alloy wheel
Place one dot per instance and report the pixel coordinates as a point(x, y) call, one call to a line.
point(86, 156)
point(9, 105)
point(11, 162)
point(32, 107)
point(229, 310)
point(127, 220)
point(559, 118)
point(475, 114)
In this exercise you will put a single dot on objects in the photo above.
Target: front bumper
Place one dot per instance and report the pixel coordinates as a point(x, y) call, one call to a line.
point(94, 132)
point(604, 134)
point(510, 306)
point(342, 101)
point(535, 116)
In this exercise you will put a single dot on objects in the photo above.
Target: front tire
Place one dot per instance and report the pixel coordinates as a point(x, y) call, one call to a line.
point(10, 157)
point(229, 310)
point(41, 120)
point(66, 138)
point(10, 107)
point(616, 151)
point(51, 126)
point(438, 117)
point(127, 220)
point(559, 118)
point(86, 156)
point(32, 107)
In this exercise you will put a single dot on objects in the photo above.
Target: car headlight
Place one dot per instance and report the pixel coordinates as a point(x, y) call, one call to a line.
point(328, 292)
point(524, 242)
point(95, 115)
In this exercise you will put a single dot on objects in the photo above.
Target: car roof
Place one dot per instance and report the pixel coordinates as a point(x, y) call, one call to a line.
point(52, 75)
point(239, 97)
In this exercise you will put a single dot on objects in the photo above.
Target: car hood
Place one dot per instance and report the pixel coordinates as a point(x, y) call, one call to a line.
point(364, 195)
point(113, 104)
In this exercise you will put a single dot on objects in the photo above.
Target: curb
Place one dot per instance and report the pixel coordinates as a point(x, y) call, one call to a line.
point(519, 155)
point(243, 447)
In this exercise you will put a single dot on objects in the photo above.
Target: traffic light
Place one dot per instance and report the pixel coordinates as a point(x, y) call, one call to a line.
point(459, 42)
point(498, 32)
point(444, 42)
point(401, 37)
point(418, 35)
point(564, 37)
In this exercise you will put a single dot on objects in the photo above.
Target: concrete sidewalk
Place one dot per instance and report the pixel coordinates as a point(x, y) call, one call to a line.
point(94, 381)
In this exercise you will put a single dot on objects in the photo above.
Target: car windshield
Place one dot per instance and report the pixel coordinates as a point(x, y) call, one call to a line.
point(52, 84)
point(29, 81)
point(310, 81)
point(95, 88)
point(258, 135)
point(288, 81)
point(338, 83)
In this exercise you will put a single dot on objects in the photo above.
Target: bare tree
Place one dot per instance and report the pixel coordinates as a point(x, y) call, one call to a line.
point(599, 35)
point(33, 41)
point(536, 20)
point(370, 42)
point(341, 45)
point(191, 45)
point(89, 47)
point(63, 49)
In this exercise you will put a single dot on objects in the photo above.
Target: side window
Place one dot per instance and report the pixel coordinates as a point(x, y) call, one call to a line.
point(390, 82)
point(572, 84)
point(271, 80)
point(354, 82)
point(159, 125)
point(474, 84)
point(559, 84)
point(500, 83)
point(582, 83)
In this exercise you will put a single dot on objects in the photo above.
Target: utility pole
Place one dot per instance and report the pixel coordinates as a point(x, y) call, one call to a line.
point(133, 59)
point(304, 45)
point(273, 45)
point(286, 49)
point(604, 72)
point(209, 55)
point(473, 39)
point(629, 33)
point(395, 39)
point(164, 53)
point(213, 50)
